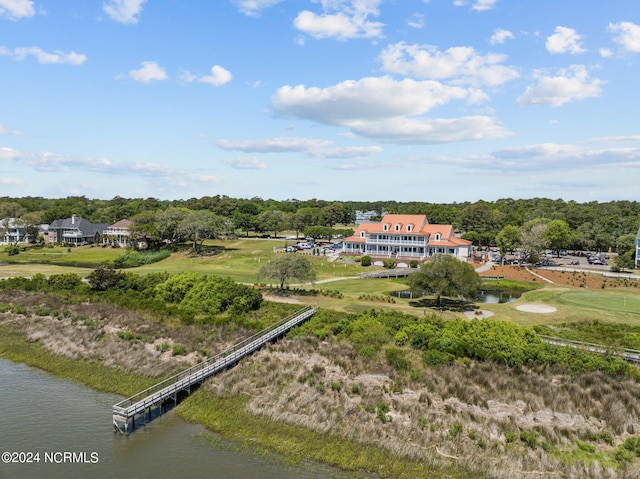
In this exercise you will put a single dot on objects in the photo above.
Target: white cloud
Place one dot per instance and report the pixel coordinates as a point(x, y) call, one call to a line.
point(500, 36)
point(57, 57)
point(479, 5)
point(565, 40)
point(247, 163)
point(616, 139)
point(416, 20)
point(45, 161)
point(149, 72)
point(8, 154)
point(252, 8)
point(543, 158)
point(314, 148)
point(5, 131)
point(219, 76)
point(461, 64)
point(346, 152)
point(387, 110)
point(605, 53)
point(274, 145)
point(16, 9)
point(482, 5)
point(11, 182)
point(627, 35)
point(372, 98)
point(123, 11)
point(341, 20)
point(570, 84)
point(426, 131)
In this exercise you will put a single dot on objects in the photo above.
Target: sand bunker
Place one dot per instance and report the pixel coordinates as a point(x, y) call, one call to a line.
point(536, 308)
point(478, 314)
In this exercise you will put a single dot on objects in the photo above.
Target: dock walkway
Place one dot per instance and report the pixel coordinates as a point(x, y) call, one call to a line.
point(145, 402)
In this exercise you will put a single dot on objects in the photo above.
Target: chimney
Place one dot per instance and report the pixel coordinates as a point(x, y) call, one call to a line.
point(73, 219)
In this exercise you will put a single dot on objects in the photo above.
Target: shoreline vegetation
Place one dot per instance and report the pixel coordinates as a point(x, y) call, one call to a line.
point(343, 390)
point(390, 389)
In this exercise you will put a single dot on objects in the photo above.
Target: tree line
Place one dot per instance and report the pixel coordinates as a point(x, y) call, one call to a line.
point(595, 225)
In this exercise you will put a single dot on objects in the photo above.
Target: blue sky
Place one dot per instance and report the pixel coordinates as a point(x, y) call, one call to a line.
point(407, 100)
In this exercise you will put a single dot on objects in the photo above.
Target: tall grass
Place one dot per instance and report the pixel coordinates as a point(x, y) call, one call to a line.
point(228, 416)
point(90, 373)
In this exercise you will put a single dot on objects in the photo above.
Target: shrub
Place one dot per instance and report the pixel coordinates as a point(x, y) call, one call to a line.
point(12, 250)
point(104, 278)
point(435, 358)
point(365, 260)
point(178, 349)
point(131, 259)
point(456, 429)
point(396, 359)
point(389, 263)
point(381, 412)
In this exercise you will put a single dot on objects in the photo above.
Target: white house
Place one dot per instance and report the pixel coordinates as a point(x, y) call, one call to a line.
point(13, 230)
point(118, 233)
point(406, 237)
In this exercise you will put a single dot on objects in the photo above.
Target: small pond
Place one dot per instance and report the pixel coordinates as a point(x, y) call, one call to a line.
point(482, 296)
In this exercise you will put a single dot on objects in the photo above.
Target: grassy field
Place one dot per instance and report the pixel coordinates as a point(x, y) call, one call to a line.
point(240, 259)
point(83, 255)
point(573, 305)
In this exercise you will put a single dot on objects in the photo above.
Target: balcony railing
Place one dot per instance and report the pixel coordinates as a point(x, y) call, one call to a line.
point(396, 242)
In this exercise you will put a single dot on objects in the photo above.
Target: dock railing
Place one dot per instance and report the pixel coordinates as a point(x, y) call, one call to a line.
point(200, 371)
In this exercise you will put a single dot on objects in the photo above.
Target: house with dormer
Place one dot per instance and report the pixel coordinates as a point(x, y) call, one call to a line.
point(406, 237)
point(75, 230)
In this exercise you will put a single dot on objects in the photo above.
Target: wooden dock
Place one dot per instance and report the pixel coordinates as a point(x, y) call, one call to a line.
point(154, 401)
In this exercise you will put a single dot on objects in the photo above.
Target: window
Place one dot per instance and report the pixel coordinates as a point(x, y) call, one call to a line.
point(409, 228)
point(385, 227)
point(397, 227)
point(437, 237)
point(362, 234)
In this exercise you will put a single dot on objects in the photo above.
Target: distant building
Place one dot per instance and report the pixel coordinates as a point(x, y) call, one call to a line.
point(638, 249)
point(74, 230)
point(118, 234)
point(14, 231)
point(365, 216)
point(406, 237)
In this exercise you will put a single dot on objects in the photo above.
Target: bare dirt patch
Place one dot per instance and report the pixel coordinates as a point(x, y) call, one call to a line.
point(281, 299)
point(581, 279)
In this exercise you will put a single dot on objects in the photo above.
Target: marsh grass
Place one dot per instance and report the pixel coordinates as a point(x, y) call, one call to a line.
point(90, 373)
point(228, 416)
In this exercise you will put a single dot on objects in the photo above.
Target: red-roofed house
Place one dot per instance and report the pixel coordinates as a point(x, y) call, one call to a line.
point(406, 237)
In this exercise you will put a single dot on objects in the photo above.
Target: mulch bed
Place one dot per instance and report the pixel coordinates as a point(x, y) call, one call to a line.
point(579, 279)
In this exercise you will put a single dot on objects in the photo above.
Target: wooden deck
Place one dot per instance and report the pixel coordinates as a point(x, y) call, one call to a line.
point(152, 402)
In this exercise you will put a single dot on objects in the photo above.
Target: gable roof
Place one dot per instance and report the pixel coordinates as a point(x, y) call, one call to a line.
point(121, 224)
point(416, 222)
point(77, 222)
point(419, 226)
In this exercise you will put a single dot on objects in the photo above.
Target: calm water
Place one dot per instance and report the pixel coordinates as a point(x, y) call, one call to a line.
point(481, 297)
point(42, 414)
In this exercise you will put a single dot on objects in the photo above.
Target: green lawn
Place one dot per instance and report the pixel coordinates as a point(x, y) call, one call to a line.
point(573, 305)
point(83, 256)
point(241, 259)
